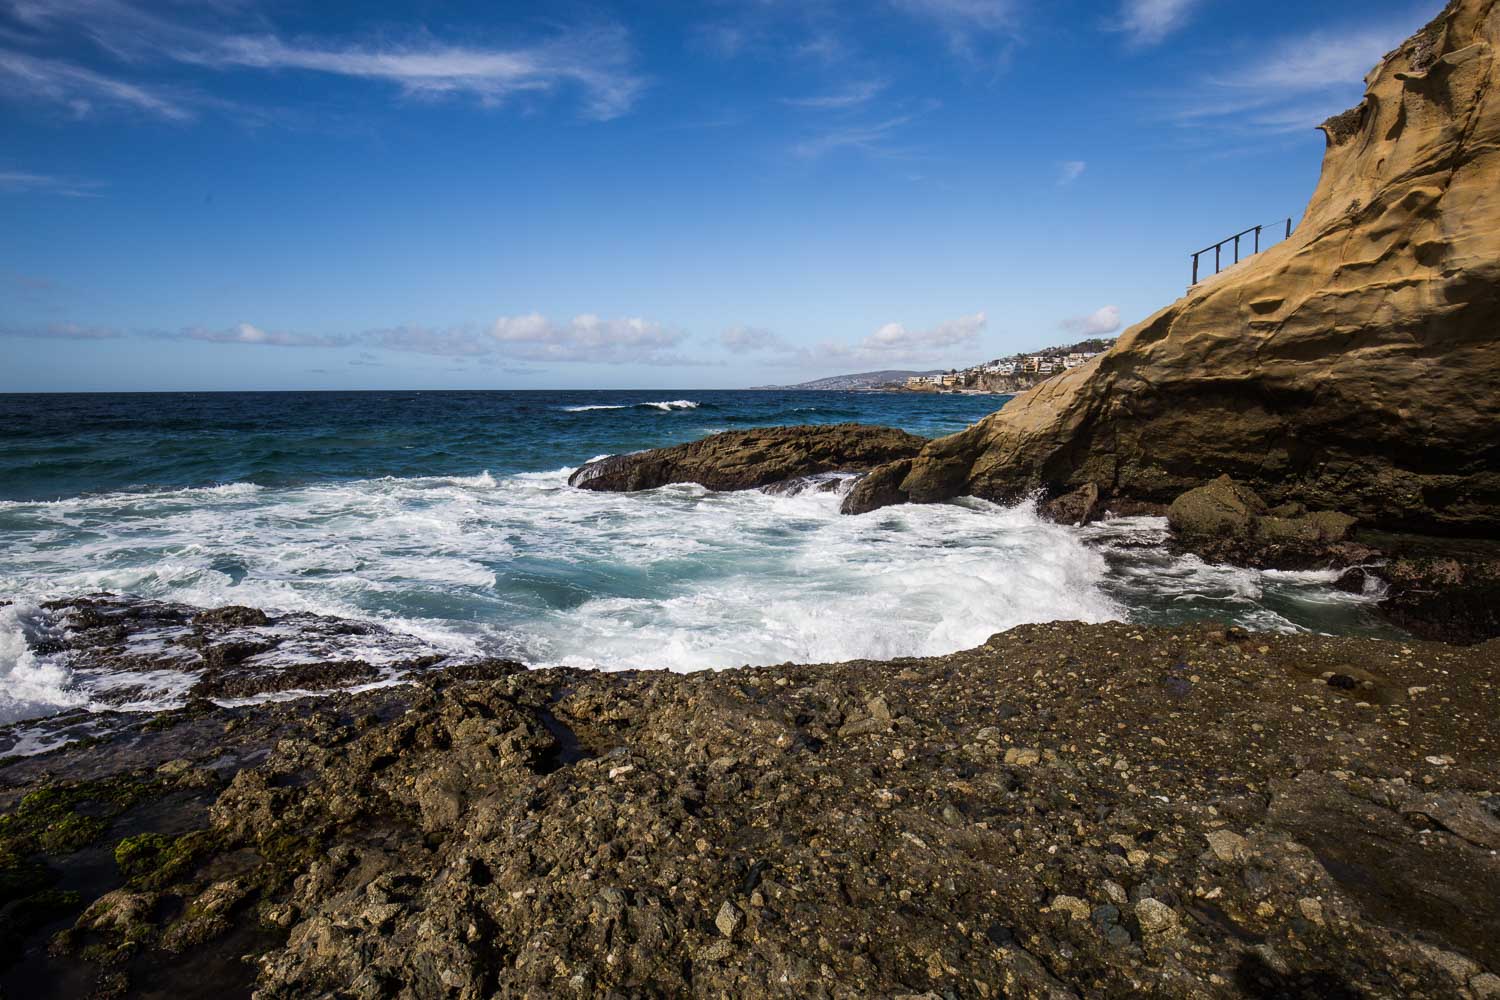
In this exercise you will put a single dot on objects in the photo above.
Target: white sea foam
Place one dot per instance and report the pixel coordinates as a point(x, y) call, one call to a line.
point(30, 685)
point(664, 405)
point(523, 566)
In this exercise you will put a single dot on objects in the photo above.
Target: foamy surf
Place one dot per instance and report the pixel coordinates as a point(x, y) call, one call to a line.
point(525, 567)
point(665, 405)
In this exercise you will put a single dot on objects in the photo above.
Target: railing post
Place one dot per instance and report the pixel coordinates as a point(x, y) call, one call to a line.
point(1195, 269)
point(1257, 239)
point(1237, 249)
point(1217, 266)
point(1288, 228)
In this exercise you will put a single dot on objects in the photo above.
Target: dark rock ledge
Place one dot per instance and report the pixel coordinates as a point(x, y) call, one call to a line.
point(1067, 810)
point(742, 460)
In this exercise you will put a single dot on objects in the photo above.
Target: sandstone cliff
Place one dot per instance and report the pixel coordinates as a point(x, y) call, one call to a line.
point(1353, 367)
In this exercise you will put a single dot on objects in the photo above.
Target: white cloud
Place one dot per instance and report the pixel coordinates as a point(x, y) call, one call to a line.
point(82, 91)
point(1148, 22)
point(852, 96)
point(62, 331)
point(867, 138)
point(594, 61)
point(586, 338)
point(1317, 61)
point(1299, 82)
point(1101, 321)
point(893, 343)
point(1069, 171)
point(965, 22)
point(245, 333)
point(747, 339)
point(17, 182)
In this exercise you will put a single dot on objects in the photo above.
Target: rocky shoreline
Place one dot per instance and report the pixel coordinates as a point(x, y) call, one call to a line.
point(1067, 810)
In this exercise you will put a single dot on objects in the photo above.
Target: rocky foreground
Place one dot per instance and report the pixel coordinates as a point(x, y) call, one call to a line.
point(1067, 810)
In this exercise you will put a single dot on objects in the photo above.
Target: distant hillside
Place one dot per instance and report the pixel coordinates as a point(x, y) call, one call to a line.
point(863, 380)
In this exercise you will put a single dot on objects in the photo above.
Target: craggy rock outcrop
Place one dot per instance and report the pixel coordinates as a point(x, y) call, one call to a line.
point(1353, 367)
point(742, 460)
point(1226, 522)
point(1067, 810)
point(1446, 590)
point(1443, 598)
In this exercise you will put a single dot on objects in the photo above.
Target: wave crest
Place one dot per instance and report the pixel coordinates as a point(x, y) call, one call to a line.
point(665, 405)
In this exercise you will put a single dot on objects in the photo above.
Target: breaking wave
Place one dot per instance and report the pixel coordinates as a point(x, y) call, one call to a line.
point(523, 566)
point(666, 405)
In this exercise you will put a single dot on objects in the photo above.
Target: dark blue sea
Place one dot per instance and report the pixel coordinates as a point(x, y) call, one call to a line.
point(446, 517)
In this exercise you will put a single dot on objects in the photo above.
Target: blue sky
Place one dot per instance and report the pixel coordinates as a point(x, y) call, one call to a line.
point(247, 194)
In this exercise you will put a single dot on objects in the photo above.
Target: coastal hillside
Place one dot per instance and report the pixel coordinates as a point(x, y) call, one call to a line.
point(1352, 367)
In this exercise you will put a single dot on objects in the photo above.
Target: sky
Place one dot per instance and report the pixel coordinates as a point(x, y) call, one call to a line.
point(265, 194)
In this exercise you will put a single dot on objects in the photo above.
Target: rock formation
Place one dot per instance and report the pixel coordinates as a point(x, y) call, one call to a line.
point(1353, 367)
point(1225, 522)
point(741, 460)
point(1068, 810)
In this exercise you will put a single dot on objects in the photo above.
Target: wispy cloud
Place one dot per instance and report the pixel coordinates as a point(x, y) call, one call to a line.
point(1302, 81)
point(971, 26)
point(595, 61)
point(587, 338)
point(1318, 60)
point(17, 182)
point(245, 333)
point(1149, 22)
point(451, 343)
point(749, 339)
point(1069, 171)
point(82, 91)
point(870, 138)
point(61, 331)
point(1096, 324)
point(852, 96)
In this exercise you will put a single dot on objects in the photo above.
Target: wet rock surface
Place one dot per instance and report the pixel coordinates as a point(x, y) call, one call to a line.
point(228, 652)
point(741, 460)
point(1067, 810)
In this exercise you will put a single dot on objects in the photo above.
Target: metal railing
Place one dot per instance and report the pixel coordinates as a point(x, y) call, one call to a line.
point(1218, 247)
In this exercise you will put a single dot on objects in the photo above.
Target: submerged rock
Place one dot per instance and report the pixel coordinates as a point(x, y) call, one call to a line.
point(1353, 367)
point(742, 460)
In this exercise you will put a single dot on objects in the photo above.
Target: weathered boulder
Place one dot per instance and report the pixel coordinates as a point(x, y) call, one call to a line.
point(1078, 507)
point(880, 488)
point(1225, 521)
point(742, 460)
point(1352, 367)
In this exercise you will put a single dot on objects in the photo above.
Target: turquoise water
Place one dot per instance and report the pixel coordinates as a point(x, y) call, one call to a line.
point(447, 517)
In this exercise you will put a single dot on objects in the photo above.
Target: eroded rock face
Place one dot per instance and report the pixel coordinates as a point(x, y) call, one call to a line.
point(742, 460)
point(1354, 367)
point(1067, 810)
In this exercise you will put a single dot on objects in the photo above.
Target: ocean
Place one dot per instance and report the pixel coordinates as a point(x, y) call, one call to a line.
point(446, 517)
